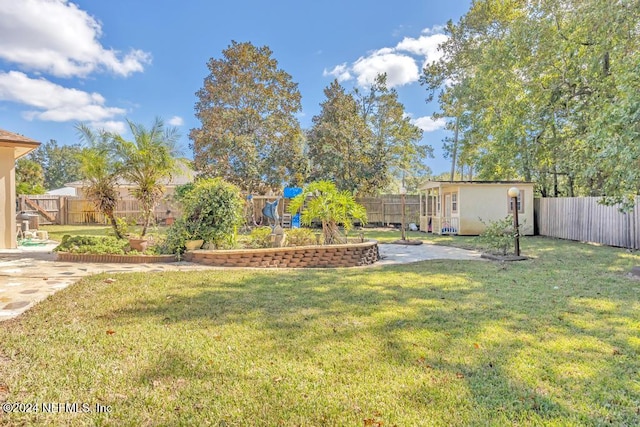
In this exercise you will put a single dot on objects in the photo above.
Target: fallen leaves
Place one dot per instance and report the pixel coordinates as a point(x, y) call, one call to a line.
point(421, 361)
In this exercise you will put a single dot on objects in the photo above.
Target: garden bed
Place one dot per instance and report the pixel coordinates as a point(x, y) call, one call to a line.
point(508, 257)
point(115, 258)
point(346, 255)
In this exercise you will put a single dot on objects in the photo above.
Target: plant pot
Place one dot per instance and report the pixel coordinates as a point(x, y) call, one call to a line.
point(139, 245)
point(193, 245)
point(168, 220)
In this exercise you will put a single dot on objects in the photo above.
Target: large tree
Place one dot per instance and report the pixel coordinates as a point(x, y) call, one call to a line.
point(546, 91)
point(364, 141)
point(147, 161)
point(340, 143)
point(250, 134)
point(60, 163)
point(29, 177)
point(397, 152)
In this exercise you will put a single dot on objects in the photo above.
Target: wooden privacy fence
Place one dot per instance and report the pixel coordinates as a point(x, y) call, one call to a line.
point(387, 209)
point(584, 219)
point(72, 210)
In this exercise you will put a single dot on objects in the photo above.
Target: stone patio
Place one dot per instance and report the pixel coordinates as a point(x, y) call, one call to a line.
point(29, 275)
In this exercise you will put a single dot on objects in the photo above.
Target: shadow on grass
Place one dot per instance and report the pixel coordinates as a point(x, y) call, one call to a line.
point(549, 340)
point(554, 345)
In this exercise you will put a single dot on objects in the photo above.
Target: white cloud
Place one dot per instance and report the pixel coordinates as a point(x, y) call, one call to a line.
point(110, 126)
point(427, 124)
point(57, 37)
point(53, 102)
point(399, 62)
point(425, 46)
point(340, 72)
point(436, 29)
point(400, 69)
point(176, 121)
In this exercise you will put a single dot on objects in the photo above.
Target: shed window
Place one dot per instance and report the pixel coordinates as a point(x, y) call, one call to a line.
point(454, 202)
point(520, 202)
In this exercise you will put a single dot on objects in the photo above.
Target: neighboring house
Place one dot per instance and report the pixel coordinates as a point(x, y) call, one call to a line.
point(463, 207)
point(12, 147)
point(124, 187)
point(64, 191)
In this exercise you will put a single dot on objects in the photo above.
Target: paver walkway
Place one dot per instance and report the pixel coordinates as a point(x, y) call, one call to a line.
point(30, 274)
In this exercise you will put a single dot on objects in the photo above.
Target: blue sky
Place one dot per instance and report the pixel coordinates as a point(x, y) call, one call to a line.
point(101, 62)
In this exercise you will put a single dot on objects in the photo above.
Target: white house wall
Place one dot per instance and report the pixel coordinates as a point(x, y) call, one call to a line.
point(488, 203)
point(7, 198)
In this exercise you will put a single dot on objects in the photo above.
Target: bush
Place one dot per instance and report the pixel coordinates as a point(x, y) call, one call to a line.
point(499, 235)
point(300, 237)
point(260, 237)
point(322, 201)
point(99, 245)
point(212, 211)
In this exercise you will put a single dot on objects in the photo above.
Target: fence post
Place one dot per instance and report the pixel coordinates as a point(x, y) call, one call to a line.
point(61, 210)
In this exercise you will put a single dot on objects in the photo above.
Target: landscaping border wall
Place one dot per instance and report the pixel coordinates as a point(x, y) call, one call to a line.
point(115, 259)
point(347, 255)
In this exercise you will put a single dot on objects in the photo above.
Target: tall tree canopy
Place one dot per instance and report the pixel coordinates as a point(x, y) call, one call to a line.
point(398, 153)
point(61, 163)
point(363, 140)
point(340, 143)
point(250, 134)
point(29, 177)
point(546, 91)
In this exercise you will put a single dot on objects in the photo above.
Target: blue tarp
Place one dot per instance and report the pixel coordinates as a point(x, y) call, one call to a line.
point(291, 192)
point(295, 221)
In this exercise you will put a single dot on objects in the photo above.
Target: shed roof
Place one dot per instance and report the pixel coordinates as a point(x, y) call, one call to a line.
point(436, 184)
point(20, 143)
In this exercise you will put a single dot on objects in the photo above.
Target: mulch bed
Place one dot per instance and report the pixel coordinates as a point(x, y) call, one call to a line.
point(495, 257)
point(406, 242)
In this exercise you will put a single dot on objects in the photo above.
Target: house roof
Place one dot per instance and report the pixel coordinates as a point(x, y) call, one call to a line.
point(183, 177)
point(64, 191)
point(21, 144)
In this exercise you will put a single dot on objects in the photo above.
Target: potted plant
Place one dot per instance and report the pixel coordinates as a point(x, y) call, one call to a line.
point(169, 219)
point(192, 245)
point(138, 243)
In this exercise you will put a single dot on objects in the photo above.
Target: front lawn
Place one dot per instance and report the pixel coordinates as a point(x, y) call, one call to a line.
point(554, 340)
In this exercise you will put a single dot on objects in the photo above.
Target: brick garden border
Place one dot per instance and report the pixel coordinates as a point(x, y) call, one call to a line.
point(115, 259)
point(347, 255)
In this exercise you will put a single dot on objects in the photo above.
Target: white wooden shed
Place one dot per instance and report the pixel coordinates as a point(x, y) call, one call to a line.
point(463, 207)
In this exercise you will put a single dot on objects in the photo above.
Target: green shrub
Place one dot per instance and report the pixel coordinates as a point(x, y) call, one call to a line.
point(99, 245)
point(260, 237)
point(322, 201)
point(212, 211)
point(300, 237)
point(499, 235)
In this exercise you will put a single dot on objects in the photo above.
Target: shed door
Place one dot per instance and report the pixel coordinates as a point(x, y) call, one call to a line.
point(447, 205)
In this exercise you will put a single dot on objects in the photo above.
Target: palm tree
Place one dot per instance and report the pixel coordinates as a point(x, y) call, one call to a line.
point(146, 161)
point(330, 206)
point(100, 173)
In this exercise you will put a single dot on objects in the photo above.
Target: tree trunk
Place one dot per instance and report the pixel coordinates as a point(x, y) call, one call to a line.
point(114, 224)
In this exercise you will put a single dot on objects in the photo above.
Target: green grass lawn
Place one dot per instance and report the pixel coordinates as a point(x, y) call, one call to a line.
point(554, 340)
